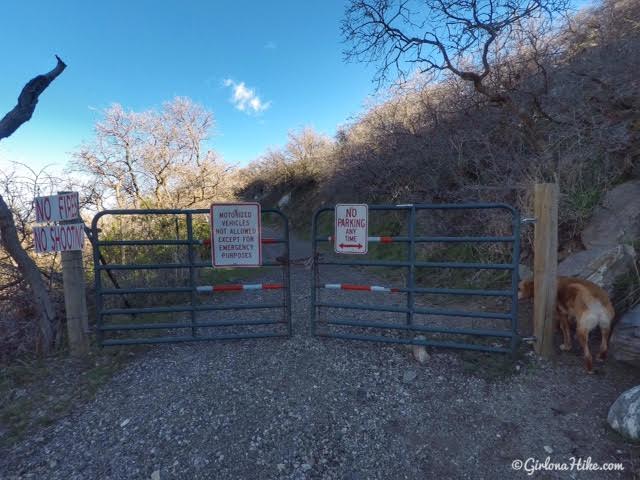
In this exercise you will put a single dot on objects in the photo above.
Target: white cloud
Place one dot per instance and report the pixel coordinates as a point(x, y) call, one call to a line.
point(245, 98)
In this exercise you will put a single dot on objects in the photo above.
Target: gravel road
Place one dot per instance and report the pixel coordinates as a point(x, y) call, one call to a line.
point(307, 407)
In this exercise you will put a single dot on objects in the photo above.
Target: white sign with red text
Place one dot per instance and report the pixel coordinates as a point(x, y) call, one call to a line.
point(351, 229)
point(56, 208)
point(58, 238)
point(236, 232)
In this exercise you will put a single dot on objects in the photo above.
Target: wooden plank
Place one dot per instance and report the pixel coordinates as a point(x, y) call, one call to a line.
point(75, 300)
point(545, 266)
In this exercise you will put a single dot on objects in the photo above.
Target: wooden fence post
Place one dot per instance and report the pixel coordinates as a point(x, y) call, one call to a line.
point(545, 266)
point(75, 300)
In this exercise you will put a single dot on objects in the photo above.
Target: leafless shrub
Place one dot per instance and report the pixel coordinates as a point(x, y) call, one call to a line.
point(18, 186)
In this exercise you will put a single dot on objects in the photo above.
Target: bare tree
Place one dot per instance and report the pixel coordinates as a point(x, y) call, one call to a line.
point(463, 38)
point(20, 114)
point(153, 158)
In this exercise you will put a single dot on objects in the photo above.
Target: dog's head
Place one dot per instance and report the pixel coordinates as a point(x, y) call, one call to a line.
point(525, 289)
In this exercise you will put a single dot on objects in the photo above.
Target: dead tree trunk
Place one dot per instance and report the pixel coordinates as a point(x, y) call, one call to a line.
point(20, 114)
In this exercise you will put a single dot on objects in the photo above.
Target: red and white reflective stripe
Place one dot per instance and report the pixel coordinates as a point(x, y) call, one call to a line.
point(381, 239)
point(235, 287)
point(207, 241)
point(372, 239)
point(362, 288)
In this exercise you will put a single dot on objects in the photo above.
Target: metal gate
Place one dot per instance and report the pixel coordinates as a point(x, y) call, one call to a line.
point(438, 324)
point(165, 290)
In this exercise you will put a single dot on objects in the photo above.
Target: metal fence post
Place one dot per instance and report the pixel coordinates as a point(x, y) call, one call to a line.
point(314, 272)
point(287, 272)
point(515, 278)
point(411, 258)
point(192, 272)
point(97, 281)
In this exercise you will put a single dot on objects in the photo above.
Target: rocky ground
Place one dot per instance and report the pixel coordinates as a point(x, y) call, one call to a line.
point(308, 407)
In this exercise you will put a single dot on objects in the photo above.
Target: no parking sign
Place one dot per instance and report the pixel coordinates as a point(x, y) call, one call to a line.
point(352, 228)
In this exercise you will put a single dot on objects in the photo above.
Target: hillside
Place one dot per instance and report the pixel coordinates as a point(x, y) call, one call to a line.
point(442, 142)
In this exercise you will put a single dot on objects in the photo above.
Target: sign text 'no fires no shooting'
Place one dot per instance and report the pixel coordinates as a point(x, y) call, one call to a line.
point(58, 238)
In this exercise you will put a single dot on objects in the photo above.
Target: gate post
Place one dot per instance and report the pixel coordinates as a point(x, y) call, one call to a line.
point(545, 266)
point(75, 301)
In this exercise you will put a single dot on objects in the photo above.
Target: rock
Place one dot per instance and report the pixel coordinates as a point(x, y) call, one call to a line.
point(420, 351)
point(284, 201)
point(601, 265)
point(409, 376)
point(420, 354)
point(155, 475)
point(617, 220)
point(625, 340)
point(624, 414)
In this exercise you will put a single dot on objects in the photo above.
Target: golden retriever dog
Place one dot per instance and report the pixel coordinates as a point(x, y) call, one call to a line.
point(581, 303)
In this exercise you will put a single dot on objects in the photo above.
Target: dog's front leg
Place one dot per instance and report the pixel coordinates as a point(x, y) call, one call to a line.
point(566, 333)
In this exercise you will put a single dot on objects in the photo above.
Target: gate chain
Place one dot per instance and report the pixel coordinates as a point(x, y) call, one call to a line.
point(306, 262)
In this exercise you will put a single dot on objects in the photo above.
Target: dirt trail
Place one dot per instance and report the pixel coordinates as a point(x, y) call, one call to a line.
point(307, 407)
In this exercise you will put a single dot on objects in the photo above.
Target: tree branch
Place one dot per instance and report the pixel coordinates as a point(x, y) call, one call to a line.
point(28, 100)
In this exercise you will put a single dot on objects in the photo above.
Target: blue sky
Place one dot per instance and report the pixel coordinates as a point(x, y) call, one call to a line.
point(282, 58)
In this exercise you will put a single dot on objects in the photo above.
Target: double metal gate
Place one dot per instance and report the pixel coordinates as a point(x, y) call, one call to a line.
point(437, 323)
point(164, 290)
